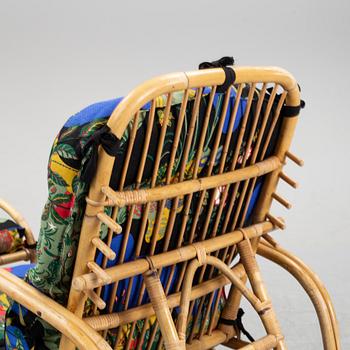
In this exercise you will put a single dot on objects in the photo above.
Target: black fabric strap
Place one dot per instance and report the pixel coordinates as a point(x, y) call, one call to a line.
point(237, 324)
point(227, 322)
point(288, 111)
point(292, 111)
point(230, 75)
point(222, 62)
point(29, 246)
point(110, 144)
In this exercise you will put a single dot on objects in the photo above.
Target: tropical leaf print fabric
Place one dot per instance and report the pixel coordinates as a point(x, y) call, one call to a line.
point(63, 212)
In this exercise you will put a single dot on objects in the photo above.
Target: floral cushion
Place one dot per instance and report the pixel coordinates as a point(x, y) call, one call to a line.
point(11, 236)
point(63, 213)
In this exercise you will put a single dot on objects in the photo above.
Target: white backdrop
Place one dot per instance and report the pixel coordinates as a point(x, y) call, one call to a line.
point(57, 57)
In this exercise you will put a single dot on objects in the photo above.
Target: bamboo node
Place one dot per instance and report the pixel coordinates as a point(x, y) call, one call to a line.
point(263, 307)
point(259, 229)
point(78, 283)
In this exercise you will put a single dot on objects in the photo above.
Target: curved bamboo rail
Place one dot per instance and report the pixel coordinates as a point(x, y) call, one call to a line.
point(185, 80)
point(81, 334)
point(18, 218)
point(186, 290)
point(313, 287)
point(24, 254)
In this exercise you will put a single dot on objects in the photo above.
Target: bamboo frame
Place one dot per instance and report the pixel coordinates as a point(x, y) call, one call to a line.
point(195, 175)
point(263, 206)
point(241, 176)
point(182, 81)
point(268, 316)
point(257, 304)
point(147, 208)
point(245, 196)
point(122, 199)
point(172, 339)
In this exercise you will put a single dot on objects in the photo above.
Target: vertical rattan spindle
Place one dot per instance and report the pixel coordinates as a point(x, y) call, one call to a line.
point(162, 311)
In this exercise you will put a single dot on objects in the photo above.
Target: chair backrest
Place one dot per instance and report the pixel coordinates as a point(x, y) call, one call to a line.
point(193, 165)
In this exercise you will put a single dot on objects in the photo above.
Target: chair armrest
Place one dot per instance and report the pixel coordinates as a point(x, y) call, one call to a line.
point(18, 218)
point(20, 255)
point(28, 252)
point(81, 334)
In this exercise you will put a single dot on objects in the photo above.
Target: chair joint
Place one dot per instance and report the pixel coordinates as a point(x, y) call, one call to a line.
point(152, 268)
point(201, 253)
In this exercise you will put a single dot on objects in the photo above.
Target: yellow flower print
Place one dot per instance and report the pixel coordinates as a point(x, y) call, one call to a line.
point(161, 117)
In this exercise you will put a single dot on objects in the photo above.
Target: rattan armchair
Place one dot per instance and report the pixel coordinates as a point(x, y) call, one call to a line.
point(211, 215)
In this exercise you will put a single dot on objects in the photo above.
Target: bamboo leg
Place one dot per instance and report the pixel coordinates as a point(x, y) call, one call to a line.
point(322, 289)
point(231, 309)
point(233, 301)
point(267, 315)
point(313, 287)
point(263, 205)
point(162, 311)
point(262, 306)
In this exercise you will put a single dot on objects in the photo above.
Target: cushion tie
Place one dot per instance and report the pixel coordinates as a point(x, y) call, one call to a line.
point(230, 75)
point(108, 141)
point(222, 62)
point(237, 324)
